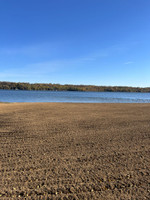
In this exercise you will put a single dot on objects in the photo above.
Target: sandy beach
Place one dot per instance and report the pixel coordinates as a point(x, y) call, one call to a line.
point(74, 151)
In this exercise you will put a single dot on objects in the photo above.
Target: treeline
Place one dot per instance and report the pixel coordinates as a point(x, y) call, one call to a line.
point(58, 87)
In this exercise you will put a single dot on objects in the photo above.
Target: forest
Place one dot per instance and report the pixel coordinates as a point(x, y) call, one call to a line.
point(67, 87)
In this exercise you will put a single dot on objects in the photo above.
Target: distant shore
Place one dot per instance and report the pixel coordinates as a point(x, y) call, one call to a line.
point(68, 87)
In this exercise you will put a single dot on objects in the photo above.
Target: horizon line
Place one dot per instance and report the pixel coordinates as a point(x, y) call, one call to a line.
point(77, 84)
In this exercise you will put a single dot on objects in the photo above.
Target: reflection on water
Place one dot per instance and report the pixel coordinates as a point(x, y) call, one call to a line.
point(68, 96)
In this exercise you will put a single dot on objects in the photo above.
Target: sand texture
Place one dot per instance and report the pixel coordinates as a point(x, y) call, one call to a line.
point(74, 151)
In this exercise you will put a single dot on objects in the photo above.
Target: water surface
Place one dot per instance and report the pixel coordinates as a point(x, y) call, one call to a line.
point(71, 96)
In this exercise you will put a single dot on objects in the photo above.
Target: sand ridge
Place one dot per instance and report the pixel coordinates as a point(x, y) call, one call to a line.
point(74, 151)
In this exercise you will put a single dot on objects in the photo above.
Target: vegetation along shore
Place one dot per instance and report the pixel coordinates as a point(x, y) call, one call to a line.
point(67, 87)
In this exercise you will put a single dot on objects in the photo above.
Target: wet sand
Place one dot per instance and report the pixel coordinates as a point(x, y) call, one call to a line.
point(74, 151)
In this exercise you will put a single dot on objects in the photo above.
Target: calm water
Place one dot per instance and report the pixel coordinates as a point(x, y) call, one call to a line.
point(67, 96)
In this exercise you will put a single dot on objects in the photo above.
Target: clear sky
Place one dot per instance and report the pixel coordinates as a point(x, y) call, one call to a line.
point(98, 42)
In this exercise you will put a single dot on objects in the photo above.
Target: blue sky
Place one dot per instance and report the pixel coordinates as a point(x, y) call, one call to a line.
point(97, 42)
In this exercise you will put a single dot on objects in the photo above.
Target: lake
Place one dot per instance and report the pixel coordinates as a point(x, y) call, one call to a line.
point(71, 96)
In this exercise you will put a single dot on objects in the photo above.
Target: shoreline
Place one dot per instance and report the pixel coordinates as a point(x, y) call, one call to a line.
point(73, 103)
